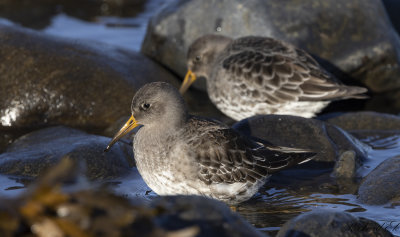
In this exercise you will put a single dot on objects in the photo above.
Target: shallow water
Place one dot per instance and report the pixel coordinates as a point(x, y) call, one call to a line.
point(284, 197)
point(278, 201)
point(277, 205)
point(314, 189)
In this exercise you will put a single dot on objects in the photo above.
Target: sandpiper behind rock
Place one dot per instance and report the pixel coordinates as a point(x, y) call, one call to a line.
point(181, 154)
point(260, 75)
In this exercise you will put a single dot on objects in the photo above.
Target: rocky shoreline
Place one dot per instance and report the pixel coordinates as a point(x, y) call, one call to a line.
point(61, 100)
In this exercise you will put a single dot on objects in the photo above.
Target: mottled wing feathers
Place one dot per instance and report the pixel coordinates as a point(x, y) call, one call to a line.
point(278, 72)
point(224, 156)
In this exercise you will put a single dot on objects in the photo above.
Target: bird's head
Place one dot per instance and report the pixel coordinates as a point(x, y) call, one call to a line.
point(156, 104)
point(201, 56)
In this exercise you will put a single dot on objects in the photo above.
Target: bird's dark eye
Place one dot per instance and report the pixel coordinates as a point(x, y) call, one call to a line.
point(145, 106)
point(198, 58)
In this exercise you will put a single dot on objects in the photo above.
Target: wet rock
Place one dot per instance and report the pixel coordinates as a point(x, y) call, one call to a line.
point(346, 165)
point(38, 14)
point(382, 184)
point(212, 217)
point(47, 80)
point(366, 121)
point(329, 223)
point(51, 81)
point(292, 131)
point(31, 154)
point(7, 138)
point(351, 37)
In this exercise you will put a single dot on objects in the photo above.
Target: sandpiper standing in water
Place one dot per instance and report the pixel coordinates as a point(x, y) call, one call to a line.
point(260, 75)
point(177, 153)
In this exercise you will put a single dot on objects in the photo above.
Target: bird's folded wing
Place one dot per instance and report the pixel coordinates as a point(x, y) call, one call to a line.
point(281, 73)
point(224, 156)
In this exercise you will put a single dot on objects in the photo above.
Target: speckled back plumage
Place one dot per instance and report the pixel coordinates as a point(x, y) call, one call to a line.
point(177, 153)
point(260, 75)
point(226, 156)
point(208, 158)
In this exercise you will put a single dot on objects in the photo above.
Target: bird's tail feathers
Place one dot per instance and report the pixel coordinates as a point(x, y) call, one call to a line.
point(354, 92)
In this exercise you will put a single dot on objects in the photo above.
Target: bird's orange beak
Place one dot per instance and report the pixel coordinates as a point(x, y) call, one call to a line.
point(128, 126)
point(189, 79)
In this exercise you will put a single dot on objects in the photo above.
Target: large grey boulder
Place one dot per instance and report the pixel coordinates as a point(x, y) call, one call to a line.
point(51, 80)
point(355, 36)
point(47, 80)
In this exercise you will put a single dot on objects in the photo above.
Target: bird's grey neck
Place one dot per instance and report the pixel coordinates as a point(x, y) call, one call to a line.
point(222, 43)
point(155, 136)
point(160, 131)
point(218, 47)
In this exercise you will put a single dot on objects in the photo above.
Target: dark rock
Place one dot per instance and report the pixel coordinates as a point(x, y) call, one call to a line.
point(47, 80)
point(387, 102)
point(31, 154)
point(329, 223)
point(393, 9)
point(212, 217)
point(51, 81)
point(346, 165)
point(283, 130)
point(7, 138)
point(382, 184)
point(366, 121)
point(352, 37)
point(38, 14)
